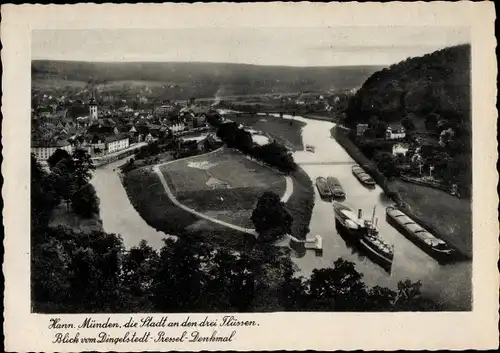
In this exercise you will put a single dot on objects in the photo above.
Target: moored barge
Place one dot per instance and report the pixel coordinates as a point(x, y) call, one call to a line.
point(335, 187)
point(323, 188)
point(362, 176)
point(364, 233)
point(434, 247)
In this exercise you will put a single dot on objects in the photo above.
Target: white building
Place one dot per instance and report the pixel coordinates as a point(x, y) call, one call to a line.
point(400, 149)
point(44, 149)
point(177, 128)
point(116, 143)
point(395, 133)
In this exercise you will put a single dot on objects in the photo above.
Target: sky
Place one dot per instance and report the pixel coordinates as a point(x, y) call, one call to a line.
point(326, 46)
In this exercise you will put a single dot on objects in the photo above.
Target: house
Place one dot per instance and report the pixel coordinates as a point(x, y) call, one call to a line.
point(44, 149)
point(395, 133)
point(176, 128)
point(116, 143)
point(149, 138)
point(400, 149)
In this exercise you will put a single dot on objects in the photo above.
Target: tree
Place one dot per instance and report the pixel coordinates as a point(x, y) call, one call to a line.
point(140, 264)
point(380, 299)
point(95, 268)
point(408, 124)
point(63, 179)
point(271, 215)
point(83, 166)
point(85, 201)
point(386, 164)
point(178, 284)
point(57, 156)
point(431, 121)
point(44, 196)
point(339, 288)
point(276, 155)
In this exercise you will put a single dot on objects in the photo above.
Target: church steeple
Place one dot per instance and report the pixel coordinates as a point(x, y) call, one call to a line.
point(93, 108)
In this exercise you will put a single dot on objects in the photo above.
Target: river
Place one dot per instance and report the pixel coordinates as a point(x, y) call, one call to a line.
point(117, 213)
point(447, 284)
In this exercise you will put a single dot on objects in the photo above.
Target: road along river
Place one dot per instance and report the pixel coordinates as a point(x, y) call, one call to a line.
point(448, 284)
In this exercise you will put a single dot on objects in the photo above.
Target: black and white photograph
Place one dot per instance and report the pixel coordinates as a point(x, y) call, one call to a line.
point(284, 169)
point(193, 177)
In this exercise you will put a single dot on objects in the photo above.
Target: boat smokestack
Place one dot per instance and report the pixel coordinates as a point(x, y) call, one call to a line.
point(360, 213)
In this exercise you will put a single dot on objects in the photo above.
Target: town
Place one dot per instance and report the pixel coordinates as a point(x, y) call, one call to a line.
point(108, 128)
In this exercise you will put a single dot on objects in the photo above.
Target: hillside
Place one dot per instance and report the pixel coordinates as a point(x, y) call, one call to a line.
point(174, 80)
point(437, 83)
point(430, 96)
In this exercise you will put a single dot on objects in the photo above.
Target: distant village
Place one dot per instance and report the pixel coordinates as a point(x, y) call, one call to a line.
point(110, 126)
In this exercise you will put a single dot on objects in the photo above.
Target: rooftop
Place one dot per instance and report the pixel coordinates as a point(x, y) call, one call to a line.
point(50, 143)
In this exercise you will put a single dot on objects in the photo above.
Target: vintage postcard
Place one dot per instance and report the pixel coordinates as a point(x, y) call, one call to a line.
point(279, 176)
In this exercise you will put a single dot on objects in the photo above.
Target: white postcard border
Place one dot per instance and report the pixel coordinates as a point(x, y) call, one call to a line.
point(25, 331)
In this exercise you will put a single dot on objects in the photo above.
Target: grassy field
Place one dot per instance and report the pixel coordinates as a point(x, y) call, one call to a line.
point(149, 199)
point(451, 217)
point(222, 184)
point(285, 131)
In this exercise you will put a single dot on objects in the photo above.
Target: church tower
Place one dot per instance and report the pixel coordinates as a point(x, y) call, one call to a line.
point(93, 109)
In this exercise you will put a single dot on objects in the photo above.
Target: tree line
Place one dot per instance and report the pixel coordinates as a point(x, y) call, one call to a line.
point(272, 153)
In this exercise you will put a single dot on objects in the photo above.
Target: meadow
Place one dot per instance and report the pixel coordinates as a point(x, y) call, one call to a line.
point(225, 185)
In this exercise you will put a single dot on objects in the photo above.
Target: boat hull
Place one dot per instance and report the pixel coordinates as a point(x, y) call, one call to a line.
point(357, 238)
point(335, 188)
point(368, 182)
point(323, 189)
point(439, 256)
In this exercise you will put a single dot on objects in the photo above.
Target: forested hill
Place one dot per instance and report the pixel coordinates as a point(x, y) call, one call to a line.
point(437, 83)
point(205, 79)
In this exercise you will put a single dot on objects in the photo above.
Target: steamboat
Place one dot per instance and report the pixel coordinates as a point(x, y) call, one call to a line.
point(364, 234)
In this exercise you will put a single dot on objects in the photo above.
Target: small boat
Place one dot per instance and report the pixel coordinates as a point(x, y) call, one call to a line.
point(433, 246)
point(323, 188)
point(364, 233)
point(335, 187)
point(310, 148)
point(362, 176)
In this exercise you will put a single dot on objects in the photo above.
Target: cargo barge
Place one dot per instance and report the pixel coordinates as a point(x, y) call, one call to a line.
point(362, 176)
point(335, 187)
point(323, 188)
point(434, 247)
point(363, 233)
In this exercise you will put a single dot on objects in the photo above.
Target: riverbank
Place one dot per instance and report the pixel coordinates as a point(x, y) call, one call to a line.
point(446, 216)
point(116, 156)
point(286, 131)
point(148, 197)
